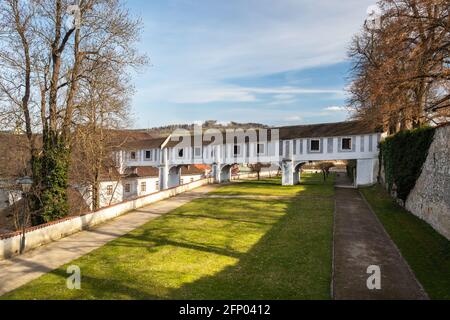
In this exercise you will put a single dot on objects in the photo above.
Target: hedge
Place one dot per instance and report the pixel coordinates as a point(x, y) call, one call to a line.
point(403, 156)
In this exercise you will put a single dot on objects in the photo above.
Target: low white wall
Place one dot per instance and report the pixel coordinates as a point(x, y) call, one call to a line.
point(252, 175)
point(366, 172)
point(38, 236)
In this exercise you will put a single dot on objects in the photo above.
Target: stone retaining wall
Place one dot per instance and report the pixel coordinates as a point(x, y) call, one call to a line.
point(430, 198)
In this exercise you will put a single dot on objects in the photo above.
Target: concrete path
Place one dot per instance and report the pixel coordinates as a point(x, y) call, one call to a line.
point(360, 241)
point(20, 270)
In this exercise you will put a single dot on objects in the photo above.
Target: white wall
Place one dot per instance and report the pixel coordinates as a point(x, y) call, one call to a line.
point(191, 178)
point(363, 147)
point(366, 172)
point(35, 237)
point(107, 200)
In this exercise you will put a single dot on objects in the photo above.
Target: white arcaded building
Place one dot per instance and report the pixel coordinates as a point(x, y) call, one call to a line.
point(288, 147)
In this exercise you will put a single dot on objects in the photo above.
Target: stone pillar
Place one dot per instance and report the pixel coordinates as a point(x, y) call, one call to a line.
point(288, 172)
point(366, 172)
point(216, 172)
point(296, 177)
point(217, 165)
point(163, 171)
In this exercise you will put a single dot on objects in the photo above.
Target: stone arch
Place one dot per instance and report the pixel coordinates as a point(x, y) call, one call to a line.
point(225, 172)
point(174, 176)
point(297, 174)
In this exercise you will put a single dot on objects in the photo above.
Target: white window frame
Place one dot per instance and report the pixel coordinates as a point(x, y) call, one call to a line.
point(143, 186)
point(342, 143)
point(310, 145)
point(135, 155)
point(127, 188)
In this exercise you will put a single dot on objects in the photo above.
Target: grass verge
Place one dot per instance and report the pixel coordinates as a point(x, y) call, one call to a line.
point(425, 250)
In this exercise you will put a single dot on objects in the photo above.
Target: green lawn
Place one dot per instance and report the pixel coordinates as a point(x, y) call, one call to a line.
point(226, 248)
point(427, 252)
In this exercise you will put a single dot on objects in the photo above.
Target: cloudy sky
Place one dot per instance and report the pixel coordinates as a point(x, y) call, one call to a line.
point(278, 62)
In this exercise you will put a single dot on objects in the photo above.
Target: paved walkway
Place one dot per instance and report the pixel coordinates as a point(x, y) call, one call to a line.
point(360, 241)
point(20, 270)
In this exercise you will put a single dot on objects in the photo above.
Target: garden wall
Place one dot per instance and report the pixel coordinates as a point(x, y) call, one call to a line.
point(38, 236)
point(430, 198)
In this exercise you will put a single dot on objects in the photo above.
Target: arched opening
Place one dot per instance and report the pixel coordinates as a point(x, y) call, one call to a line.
point(226, 172)
point(297, 172)
point(174, 176)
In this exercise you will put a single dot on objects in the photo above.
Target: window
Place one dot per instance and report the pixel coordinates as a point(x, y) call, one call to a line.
point(133, 155)
point(148, 155)
point(180, 153)
point(260, 148)
point(157, 185)
point(315, 145)
point(192, 179)
point(128, 188)
point(109, 190)
point(143, 186)
point(181, 181)
point(237, 150)
point(198, 152)
point(347, 144)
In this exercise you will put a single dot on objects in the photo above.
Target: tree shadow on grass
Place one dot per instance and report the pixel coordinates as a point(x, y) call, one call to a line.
point(291, 261)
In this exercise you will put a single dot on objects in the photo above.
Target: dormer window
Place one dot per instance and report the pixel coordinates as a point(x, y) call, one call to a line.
point(314, 145)
point(346, 144)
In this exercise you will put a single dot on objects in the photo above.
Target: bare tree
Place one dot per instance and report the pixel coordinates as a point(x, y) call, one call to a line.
point(105, 107)
point(48, 63)
point(257, 168)
point(401, 71)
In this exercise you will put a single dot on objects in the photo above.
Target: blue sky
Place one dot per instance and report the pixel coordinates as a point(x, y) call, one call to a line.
point(278, 62)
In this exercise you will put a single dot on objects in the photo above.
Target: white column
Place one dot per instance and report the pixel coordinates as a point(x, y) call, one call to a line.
point(366, 172)
point(164, 170)
point(216, 172)
point(287, 168)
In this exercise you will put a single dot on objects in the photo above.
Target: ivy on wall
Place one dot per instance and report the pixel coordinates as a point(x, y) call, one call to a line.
point(403, 156)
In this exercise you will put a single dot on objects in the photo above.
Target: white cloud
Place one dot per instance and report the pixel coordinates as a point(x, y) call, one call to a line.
point(336, 109)
point(202, 93)
point(293, 119)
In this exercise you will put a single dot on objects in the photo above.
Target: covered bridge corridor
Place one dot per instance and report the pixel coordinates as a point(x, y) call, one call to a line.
point(287, 147)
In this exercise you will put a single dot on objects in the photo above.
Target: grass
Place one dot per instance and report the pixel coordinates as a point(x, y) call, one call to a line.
point(426, 251)
point(214, 248)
